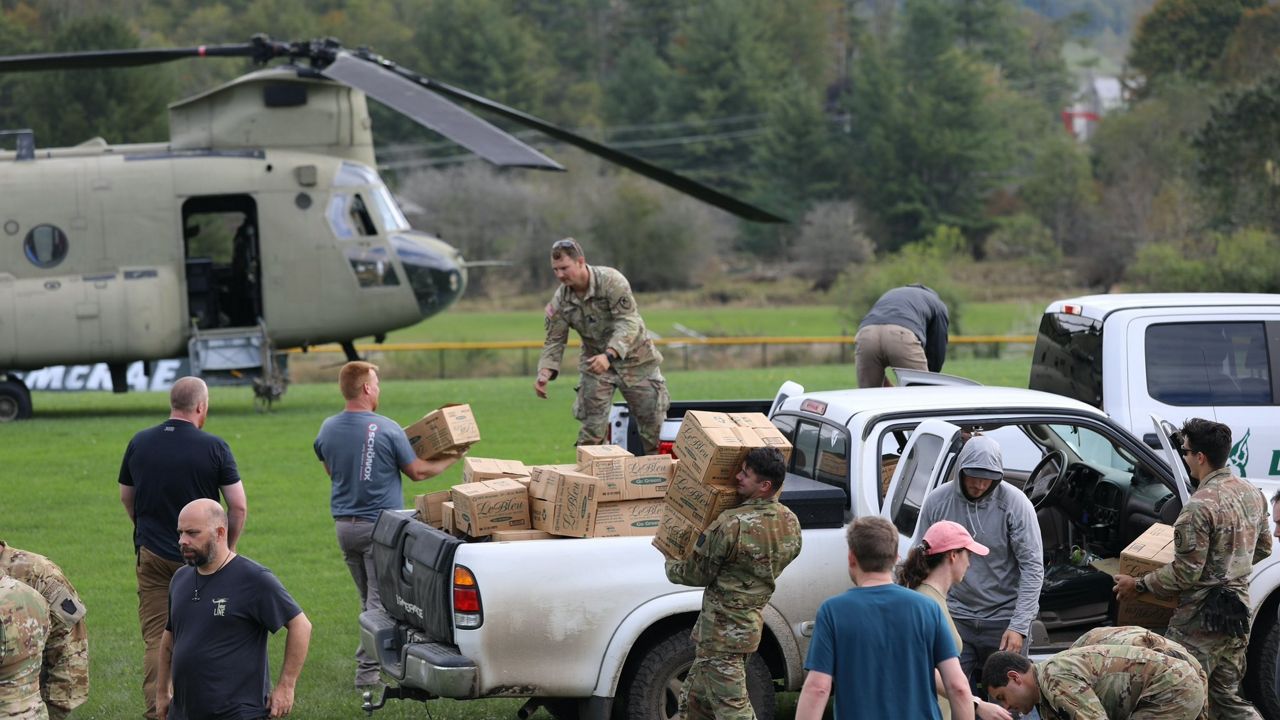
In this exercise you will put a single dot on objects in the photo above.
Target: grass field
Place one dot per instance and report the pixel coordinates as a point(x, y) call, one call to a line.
point(980, 318)
point(60, 498)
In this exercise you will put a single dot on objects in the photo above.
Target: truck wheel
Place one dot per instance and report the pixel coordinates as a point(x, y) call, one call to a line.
point(653, 692)
point(1262, 674)
point(15, 401)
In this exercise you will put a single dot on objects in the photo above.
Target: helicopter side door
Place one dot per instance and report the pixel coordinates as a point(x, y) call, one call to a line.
point(222, 254)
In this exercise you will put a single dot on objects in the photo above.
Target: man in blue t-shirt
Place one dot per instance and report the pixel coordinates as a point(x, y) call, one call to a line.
point(880, 642)
point(214, 648)
point(364, 454)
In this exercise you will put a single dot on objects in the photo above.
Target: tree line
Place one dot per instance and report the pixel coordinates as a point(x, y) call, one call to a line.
point(877, 126)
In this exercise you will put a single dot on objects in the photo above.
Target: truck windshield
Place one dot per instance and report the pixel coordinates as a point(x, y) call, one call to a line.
point(1068, 358)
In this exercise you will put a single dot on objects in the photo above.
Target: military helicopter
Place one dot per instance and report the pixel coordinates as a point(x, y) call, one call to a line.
point(260, 225)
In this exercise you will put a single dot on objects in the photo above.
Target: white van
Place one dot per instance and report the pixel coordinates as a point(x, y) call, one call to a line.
point(1174, 355)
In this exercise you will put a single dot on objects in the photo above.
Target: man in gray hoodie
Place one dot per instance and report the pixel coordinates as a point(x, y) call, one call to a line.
point(994, 605)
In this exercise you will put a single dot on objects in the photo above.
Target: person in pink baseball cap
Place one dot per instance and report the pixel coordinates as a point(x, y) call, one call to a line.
point(931, 568)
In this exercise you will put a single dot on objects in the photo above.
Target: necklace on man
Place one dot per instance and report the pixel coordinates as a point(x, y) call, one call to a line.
point(195, 596)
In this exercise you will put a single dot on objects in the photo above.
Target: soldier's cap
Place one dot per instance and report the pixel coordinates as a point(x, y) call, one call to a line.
point(980, 458)
point(945, 536)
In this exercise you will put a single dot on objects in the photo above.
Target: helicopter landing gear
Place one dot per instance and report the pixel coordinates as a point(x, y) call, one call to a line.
point(349, 347)
point(15, 399)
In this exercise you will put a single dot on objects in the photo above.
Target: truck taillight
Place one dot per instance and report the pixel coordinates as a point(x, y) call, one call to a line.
point(666, 447)
point(467, 613)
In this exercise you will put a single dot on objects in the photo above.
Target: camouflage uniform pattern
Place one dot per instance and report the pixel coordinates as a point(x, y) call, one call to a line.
point(24, 626)
point(1110, 682)
point(64, 679)
point(1218, 537)
point(737, 559)
point(607, 318)
point(1134, 636)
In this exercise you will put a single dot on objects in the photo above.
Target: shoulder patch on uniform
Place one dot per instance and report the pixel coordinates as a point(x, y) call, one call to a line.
point(1184, 539)
point(623, 303)
point(66, 608)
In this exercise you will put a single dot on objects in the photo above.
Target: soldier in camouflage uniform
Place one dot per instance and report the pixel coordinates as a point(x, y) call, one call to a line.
point(617, 353)
point(1134, 636)
point(1098, 682)
point(64, 677)
point(737, 559)
point(1218, 537)
point(24, 626)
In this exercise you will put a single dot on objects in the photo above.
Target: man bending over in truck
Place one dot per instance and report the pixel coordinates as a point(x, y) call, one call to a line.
point(617, 353)
point(737, 559)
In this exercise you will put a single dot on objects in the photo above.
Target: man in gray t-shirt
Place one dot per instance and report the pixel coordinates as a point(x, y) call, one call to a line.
point(364, 454)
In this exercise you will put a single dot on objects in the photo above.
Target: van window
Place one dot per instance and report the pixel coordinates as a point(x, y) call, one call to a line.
point(1068, 358)
point(1208, 363)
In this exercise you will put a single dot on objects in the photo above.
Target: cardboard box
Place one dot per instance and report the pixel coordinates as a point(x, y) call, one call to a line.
point(676, 536)
point(1151, 550)
point(489, 505)
point(475, 469)
point(1134, 612)
point(563, 502)
point(629, 518)
point(575, 518)
point(765, 430)
point(520, 535)
point(698, 502)
point(606, 463)
point(448, 517)
point(449, 429)
point(430, 508)
point(713, 453)
point(647, 476)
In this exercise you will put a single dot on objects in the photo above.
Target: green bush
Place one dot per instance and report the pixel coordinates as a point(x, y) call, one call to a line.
point(1246, 260)
point(1023, 237)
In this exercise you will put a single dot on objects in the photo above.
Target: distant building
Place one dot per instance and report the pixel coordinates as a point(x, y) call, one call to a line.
point(1097, 96)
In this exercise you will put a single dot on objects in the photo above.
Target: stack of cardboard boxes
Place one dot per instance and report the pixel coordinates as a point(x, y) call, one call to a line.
point(711, 447)
point(607, 493)
point(632, 489)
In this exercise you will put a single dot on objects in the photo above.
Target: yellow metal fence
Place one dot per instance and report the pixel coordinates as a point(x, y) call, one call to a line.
point(684, 344)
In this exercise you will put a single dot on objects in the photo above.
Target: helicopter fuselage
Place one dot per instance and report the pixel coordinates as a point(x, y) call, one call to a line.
point(116, 254)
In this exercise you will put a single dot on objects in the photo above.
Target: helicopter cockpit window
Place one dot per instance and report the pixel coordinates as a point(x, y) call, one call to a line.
point(45, 246)
point(336, 213)
point(372, 266)
point(387, 210)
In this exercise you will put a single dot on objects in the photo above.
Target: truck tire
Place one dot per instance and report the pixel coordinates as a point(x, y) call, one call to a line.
point(653, 692)
point(15, 400)
point(1262, 673)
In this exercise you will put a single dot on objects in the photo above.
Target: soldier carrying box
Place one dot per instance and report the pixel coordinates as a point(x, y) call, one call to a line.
point(737, 559)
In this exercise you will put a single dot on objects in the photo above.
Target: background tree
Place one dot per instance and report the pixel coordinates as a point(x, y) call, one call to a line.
point(1184, 37)
point(1239, 153)
point(121, 105)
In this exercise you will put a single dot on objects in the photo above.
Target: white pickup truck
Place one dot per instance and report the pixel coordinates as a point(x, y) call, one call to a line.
point(593, 629)
point(1178, 355)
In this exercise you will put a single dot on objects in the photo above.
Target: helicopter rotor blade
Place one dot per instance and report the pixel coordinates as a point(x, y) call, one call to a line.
point(673, 180)
point(98, 59)
point(436, 113)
